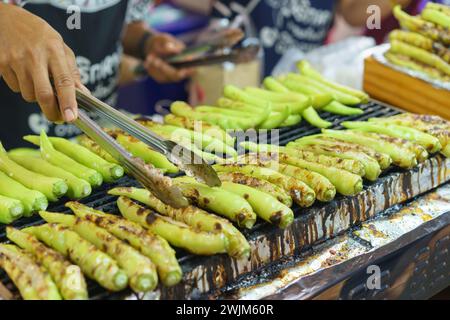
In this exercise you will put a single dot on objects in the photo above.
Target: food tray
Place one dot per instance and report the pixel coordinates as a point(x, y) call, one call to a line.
point(405, 90)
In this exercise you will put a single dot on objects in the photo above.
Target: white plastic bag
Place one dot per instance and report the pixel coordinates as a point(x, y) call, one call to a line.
point(342, 61)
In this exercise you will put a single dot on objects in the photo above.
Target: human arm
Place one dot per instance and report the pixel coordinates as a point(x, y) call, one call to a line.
point(32, 53)
point(141, 42)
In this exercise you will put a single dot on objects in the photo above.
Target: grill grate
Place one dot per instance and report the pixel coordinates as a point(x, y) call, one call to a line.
point(371, 110)
point(100, 200)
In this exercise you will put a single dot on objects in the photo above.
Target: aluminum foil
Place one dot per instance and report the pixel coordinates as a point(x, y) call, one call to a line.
point(329, 254)
point(337, 259)
point(386, 229)
point(378, 54)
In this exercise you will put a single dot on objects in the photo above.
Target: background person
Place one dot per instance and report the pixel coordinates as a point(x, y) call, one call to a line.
point(305, 24)
point(38, 42)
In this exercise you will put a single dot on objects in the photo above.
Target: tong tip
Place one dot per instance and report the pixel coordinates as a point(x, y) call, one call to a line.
point(158, 184)
point(193, 164)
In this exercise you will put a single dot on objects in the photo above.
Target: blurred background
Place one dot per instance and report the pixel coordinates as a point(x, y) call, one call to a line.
point(287, 30)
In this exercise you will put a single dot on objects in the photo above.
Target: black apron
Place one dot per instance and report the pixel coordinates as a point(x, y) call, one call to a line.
point(97, 47)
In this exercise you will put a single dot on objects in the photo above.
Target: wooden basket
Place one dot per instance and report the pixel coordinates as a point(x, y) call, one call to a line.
point(401, 90)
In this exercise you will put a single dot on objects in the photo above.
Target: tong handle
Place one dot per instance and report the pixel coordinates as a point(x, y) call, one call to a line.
point(95, 132)
point(120, 120)
point(187, 160)
point(159, 185)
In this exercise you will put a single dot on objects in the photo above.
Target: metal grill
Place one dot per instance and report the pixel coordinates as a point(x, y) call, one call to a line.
point(371, 110)
point(100, 200)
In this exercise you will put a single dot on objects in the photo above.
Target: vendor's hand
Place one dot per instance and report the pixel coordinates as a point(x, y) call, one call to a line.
point(160, 46)
point(31, 52)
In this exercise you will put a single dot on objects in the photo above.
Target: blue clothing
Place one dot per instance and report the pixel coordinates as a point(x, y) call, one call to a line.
point(423, 3)
point(284, 24)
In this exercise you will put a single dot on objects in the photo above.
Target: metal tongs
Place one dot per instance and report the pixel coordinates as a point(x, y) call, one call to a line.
point(215, 48)
point(151, 178)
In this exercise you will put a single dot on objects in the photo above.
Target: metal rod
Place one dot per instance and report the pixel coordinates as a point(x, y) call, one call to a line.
point(92, 104)
point(96, 133)
point(150, 178)
point(199, 168)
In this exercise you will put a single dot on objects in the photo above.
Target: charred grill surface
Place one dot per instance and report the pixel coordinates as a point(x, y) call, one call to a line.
point(269, 244)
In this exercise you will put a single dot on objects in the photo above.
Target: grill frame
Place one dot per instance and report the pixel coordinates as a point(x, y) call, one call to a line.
point(203, 275)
